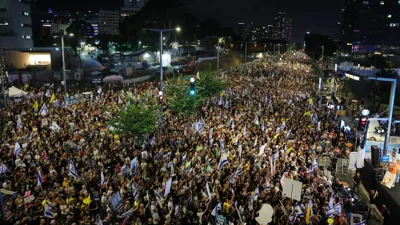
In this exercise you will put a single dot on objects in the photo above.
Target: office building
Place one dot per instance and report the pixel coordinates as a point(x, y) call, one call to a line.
point(109, 21)
point(270, 32)
point(242, 32)
point(282, 27)
point(131, 7)
point(15, 24)
point(370, 23)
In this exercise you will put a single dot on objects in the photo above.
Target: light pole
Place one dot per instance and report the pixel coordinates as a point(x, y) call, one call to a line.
point(178, 29)
point(245, 50)
point(391, 107)
point(323, 52)
point(264, 50)
point(63, 61)
point(218, 47)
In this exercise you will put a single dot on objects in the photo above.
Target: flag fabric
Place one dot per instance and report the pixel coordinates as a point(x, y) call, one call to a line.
point(235, 140)
point(19, 123)
point(48, 211)
point(133, 166)
point(127, 213)
point(223, 161)
point(39, 178)
point(208, 190)
point(239, 170)
point(72, 170)
point(309, 212)
point(217, 208)
point(17, 148)
point(53, 97)
point(102, 179)
point(35, 105)
point(198, 75)
point(153, 141)
point(361, 223)
point(222, 144)
point(336, 209)
point(99, 221)
point(123, 170)
point(3, 169)
point(297, 212)
point(314, 164)
point(331, 201)
point(135, 192)
point(43, 111)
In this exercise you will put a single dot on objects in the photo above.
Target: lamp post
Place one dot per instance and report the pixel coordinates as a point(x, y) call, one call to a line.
point(63, 61)
point(391, 107)
point(323, 52)
point(218, 47)
point(178, 29)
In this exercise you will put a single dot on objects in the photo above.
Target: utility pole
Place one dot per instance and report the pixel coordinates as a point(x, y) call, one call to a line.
point(63, 62)
point(323, 53)
point(161, 31)
point(245, 50)
point(218, 47)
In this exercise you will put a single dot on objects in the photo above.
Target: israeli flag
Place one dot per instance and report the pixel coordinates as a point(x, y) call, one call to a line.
point(55, 103)
point(217, 208)
point(19, 123)
point(153, 141)
point(361, 223)
point(222, 144)
point(297, 212)
point(102, 179)
point(133, 166)
point(127, 213)
point(314, 164)
point(64, 105)
point(123, 170)
point(336, 209)
point(17, 148)
point(223, 161)
point(43, 111)
point(134, 191)
point(239, 170)
point(275, 156)
point(39, 179)
point(3, 169)
point(72, 170)
point(331, 201)
point(283, 125)
point(255, 195)
point(244, 131)
point(48, 212)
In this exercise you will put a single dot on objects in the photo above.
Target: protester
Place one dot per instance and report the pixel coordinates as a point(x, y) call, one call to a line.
point(66, 167)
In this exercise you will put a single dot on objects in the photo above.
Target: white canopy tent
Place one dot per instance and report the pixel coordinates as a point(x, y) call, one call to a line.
point(15, 92)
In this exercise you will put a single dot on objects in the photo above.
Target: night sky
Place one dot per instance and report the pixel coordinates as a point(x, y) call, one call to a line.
point(309, 15)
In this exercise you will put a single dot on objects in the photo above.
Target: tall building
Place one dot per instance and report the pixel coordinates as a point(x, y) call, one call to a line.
point(370, 22)
point(15, 24)
point(131, 7)
point(109, 21)
point(282, 27)
point(270, 32)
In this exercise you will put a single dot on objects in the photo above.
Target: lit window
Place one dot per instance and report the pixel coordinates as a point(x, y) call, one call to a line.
point(365, 2)
point(3, 23)
point(24, 13)
point(382, 3)
point(394, 24)
point(389, 16)
point(26, 37)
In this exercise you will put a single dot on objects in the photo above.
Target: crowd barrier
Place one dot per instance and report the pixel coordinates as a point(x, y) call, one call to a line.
point(342, 165)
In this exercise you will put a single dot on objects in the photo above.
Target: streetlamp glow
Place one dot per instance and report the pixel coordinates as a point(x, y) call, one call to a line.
point(71, 34)
point(178, 29)
point(192, 80)
point(365, 112)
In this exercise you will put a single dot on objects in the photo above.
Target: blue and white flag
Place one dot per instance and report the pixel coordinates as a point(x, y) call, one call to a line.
point(336, 209)
point(48, 212)
point(217, 208)
point(262, 125)
point(3, 168)
point(361, 223)
point(275, 156)
point(222, 144)
point(72, 170)
point(19, 123)
point(17, 148)
point(39, 178)
point(244, 131)
point(133, 166)
point(153, 141)
point(123, 170)
point(297, 212)
point(254, 197)
point(55, 103)
point(99, 221)
point(64, 104)
point(283, 125)
point(239, 170)
point(331, 201)
point(127, 213)
point(135, 192)
point(314, 164)
point(102, 179)
point(43, 111)
point(223, 161)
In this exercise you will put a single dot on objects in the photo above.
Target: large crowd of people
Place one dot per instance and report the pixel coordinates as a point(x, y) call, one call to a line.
point(65, 166)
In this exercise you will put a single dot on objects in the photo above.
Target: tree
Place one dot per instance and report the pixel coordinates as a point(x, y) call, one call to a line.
point(138, 119)
point(179, 100)
point(78, 28)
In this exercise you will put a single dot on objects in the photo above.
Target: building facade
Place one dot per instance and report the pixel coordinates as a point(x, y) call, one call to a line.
point(131, 7)
point(109, 22)
point(282, 27)
point(15, 24)
point(370, 22)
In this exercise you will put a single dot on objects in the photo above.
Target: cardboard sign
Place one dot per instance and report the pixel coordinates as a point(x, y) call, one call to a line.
point(220, 220)
point(29, 199)
point(388, 179)
point(292, 188)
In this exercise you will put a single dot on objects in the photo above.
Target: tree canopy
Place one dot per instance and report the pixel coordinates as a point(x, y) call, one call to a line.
point(137, 119)
point(177, 92)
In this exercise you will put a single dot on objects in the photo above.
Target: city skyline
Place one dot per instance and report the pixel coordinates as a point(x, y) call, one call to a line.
point(314, 16)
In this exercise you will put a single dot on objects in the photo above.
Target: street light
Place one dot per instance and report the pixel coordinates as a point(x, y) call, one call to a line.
point(218, 47)
point(63, 59)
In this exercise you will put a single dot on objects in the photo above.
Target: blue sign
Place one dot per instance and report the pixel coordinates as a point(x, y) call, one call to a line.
point(385, 159)
point(220, 220)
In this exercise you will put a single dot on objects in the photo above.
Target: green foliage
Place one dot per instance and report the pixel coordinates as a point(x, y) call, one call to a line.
point(138, 119)
point(317, 69)
point(181, 103)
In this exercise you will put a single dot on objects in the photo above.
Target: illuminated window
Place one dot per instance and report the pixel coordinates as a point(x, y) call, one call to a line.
point(394, 24)
point(382, 3)
point(26, 37)
point(24, 13)
point(365, 2)
point(389, 16)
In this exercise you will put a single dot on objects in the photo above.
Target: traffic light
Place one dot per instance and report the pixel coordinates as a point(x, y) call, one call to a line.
point(192, 90)
point(362, 123)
